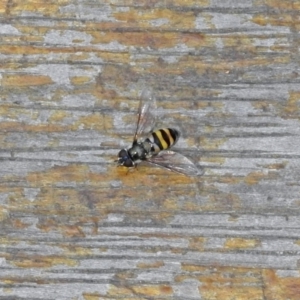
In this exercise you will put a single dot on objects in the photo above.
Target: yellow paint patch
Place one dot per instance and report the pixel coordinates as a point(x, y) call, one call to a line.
point(6, 111)
point(239, 243)
point(282, 5)
point(215, 160)
point(255, 177)
point(31, 34)
point(229, 179)
point(191, 142)
point(227, 291)
point(225, 283)
point(138, 39)
point(13, 114)
point(276, 166)
point(191, 3)
point(192, 268)
point(153, 290)
point(119, 291)
point(218, 201)
point(267, 19)
point(151, 265)
point(80, 56)
point(120, 76)
point(9, 282)
point(72, 231)
point(192, 206)
point(95, 121)
point(197, 243)
point(286, 18)
point(25, 80)
point(43, 7)
point(43, 261)
point(8, 241)
point(58, 116)
point(261, 105)
point(91, 296)
point(170, 204)
point(130, 119)
point(211, 143)
point(145, 18)
point(19, 127)
point(79, 80)
point(292, 107)
point(113, 57)
point(78, 251)
point(230, 283)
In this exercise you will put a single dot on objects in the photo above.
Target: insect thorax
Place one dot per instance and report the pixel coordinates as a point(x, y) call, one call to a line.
point(138, 151)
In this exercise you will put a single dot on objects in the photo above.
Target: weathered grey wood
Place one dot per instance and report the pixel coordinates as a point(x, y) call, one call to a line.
point(73, 225)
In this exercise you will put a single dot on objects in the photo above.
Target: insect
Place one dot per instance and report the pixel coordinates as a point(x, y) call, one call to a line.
point(154, 148)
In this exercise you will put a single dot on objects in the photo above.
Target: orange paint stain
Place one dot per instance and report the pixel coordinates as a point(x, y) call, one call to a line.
point(59, 174)
point(18, 224)
point(280, 288)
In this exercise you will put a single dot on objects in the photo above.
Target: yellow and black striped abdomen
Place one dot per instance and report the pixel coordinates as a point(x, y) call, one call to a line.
point(163, 139)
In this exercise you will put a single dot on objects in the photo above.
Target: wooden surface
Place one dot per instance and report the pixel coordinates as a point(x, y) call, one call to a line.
point(73, 225)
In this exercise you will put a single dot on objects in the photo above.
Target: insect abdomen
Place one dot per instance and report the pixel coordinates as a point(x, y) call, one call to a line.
point(164, 138)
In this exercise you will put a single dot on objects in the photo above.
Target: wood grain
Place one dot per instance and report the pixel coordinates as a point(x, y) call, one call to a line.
point(73, 225)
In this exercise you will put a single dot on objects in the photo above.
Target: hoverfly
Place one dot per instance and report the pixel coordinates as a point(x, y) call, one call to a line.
point(154, 148)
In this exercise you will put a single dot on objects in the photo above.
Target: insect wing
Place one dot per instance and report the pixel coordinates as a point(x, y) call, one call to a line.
point(176, 162)
point(146, 114)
